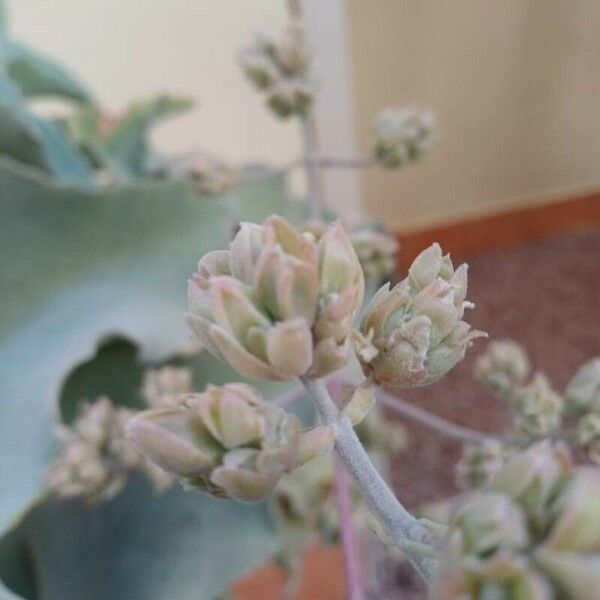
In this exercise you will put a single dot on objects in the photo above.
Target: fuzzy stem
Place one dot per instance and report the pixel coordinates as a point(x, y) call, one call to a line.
point(348, 539)
point(451, 430)
point(398, 522)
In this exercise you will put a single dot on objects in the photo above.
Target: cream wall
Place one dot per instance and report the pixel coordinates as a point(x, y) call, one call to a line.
point(515, 83)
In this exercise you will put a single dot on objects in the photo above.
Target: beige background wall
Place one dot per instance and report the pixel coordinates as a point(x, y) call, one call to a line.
point(515, 83)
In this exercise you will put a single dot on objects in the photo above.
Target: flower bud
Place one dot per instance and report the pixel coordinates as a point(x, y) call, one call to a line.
point(538, 408)
point(212, 176)
point(279, 68)
point(403, 136)
point(502, 366)
point(479, 463)
point(588, 436)
point(96, 456)
point(227, 441)
point(165, 386)
point(583, 391)
point(416, 327)
point(376, 251)
point(495, 550)
point(277, 305)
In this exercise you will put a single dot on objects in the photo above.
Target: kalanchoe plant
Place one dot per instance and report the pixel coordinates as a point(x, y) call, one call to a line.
point(413, 334)
point(480, 462)
point(583, 391)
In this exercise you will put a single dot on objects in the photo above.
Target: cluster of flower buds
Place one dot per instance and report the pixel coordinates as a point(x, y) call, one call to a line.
point(211, 175)
point(164, 386)
point(280, 69)
point(503, 366)
point(278, 305)
point(413, 334)
point(227, 441)
point(479, 463)
point(96, 457)
point(403, 136)
point(376, 250)
point(537, 408)
point(531, 535)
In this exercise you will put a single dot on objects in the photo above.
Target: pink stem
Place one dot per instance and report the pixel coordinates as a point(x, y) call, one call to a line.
point(349, 551)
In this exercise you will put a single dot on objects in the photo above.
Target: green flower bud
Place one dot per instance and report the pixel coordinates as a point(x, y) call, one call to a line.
point(227, 441)
point(376, 250)
point(502, 366)
point(416, 328)
point(403, 136)
point(479, 463)
point(537, 407)
point(588, 436)
point(583, 391)
point(493, 550)
point(277, 305)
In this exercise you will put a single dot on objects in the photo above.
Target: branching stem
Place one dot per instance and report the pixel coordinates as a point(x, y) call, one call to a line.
point(451, 430)
point(397, 521)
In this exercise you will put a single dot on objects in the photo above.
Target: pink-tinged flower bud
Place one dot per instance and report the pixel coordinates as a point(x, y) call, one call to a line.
point(537, 408)
point(227, 441)
point(502, 367)
point(538, 538)
point(403, 136)
point(277, 305)
point(417, 327)
point(583, 391)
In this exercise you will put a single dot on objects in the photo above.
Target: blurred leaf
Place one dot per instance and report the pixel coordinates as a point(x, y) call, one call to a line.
point(3, 20)
point(9, 92)
point(31, 140)
point(37, 75)
point(128, 143)
point(77, 266)
point(181, 545)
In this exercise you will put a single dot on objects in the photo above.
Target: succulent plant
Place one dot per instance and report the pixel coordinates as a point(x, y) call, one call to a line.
point(403, 136)
point(502, 366)
point(533, 535)
point(277, 305)
point(413, 334)
point(227, 441)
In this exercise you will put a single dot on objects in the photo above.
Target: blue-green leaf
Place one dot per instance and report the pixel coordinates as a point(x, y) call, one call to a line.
point(37, 75)
point(181, 545)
